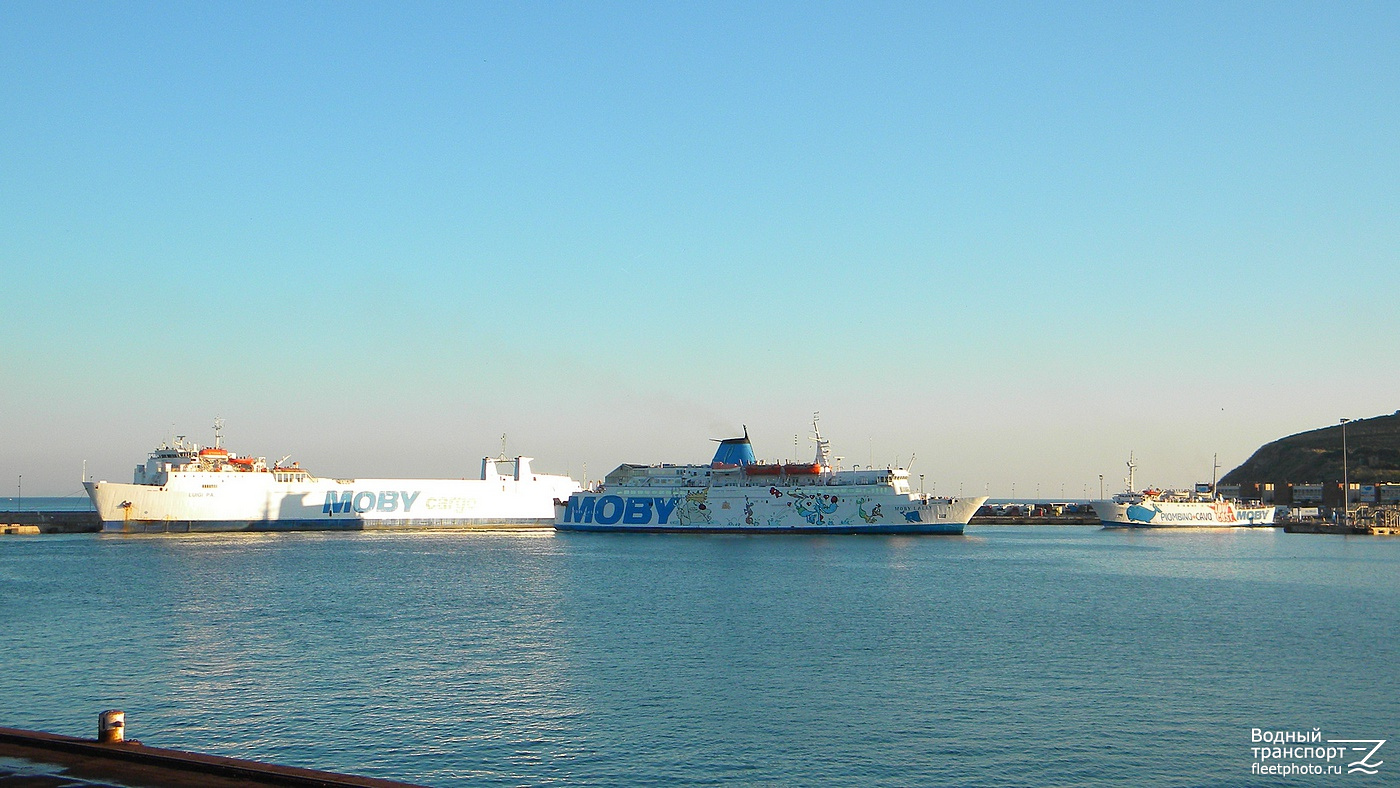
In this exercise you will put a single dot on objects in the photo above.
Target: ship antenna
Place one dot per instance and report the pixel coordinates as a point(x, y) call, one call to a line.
point(823, 446)
point(503, 445)
point(1132, 468)
point(1215, 462)
point(218, 433)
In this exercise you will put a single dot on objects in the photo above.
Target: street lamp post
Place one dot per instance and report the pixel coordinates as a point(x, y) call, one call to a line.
point(1346, 485)
point(19, 503)
point(1101, 487)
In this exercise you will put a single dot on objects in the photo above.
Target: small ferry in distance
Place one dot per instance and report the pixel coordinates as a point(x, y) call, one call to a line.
point(1199, 508)
point(184, 488)
point(737, 494)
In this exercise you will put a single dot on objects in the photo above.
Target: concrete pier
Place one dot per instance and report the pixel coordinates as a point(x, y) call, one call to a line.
point(30, 521)
point(31, 758)
point(1048, 519)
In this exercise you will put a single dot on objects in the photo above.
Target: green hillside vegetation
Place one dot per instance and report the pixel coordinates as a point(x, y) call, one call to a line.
point(1373, 455)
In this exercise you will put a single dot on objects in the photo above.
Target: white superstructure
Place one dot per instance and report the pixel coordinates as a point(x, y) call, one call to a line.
point(1199, 508)
point(735, 493)
point(182, 487)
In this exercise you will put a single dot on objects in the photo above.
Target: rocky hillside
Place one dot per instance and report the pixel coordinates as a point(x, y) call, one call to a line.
point(1373, 455)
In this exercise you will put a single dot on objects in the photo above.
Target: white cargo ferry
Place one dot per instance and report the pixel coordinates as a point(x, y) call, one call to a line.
point(737, 494)
point(185, 488)
point(1199, 508)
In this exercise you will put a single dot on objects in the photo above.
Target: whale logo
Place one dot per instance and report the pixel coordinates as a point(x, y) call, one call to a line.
point(1137, 513)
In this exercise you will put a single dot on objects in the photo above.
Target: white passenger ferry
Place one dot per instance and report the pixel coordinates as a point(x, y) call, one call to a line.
point(737, 494)
point(1199, 508)
point(182, 487)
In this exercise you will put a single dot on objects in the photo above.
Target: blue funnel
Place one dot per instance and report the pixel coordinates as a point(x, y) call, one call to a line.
point(734, 451)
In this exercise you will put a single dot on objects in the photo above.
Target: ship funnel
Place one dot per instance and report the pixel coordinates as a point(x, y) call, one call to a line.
point(734, 451)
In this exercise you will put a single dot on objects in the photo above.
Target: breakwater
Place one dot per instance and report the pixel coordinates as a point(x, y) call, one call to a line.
point(1077, 518)
point(32, 521)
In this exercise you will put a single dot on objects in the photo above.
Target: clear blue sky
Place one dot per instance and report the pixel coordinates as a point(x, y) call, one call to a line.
point(1017, 241)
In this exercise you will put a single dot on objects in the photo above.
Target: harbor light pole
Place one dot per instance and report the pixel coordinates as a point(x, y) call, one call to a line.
point(19, 503)
point(1101, 487)
point(1346, 485)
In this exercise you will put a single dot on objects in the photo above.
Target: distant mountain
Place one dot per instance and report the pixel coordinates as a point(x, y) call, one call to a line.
point(1373, 455)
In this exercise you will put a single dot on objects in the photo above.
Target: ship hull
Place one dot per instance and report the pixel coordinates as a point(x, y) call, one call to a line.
point(764, 510)
point(231, 526)
point(951, 529)
point(224, 502)
point(1173, 514)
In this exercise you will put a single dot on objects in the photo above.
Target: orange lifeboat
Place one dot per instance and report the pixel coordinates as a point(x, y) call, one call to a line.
point(213, 453)
point(763, 470)
point(806, 468)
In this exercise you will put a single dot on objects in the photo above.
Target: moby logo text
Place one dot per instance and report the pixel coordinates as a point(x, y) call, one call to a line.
point(366, 501)
point(610, 509)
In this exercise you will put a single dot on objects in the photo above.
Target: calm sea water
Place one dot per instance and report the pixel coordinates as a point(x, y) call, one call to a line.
point(1013, 656)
